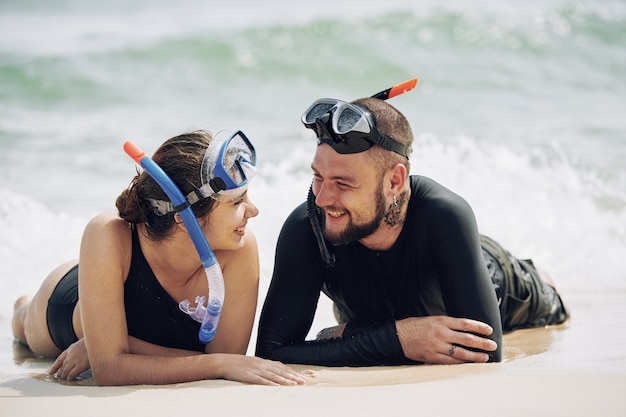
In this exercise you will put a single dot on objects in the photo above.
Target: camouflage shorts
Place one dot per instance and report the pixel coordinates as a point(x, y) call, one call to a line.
point(525, 300)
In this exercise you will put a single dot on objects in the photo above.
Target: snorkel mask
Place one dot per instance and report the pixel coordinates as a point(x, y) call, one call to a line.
point(350, 128)
point(227, 166)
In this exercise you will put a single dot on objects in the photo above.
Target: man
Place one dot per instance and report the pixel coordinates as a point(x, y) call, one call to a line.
point(401, 257)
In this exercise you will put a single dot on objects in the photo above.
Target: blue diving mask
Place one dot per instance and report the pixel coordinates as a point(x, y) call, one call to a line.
point(228, 165)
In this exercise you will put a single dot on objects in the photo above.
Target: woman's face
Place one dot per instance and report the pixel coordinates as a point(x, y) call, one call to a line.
point(227, 222)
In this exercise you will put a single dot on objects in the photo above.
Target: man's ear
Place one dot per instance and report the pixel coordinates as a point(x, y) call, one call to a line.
point(398, 178)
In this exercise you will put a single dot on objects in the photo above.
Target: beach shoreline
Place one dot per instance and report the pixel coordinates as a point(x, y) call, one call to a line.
point(575, 369)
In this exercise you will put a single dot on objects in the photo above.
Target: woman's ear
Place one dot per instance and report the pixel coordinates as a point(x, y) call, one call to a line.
point(179, 221)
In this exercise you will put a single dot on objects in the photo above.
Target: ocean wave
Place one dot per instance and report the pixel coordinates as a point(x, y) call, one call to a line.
point(524, 103)
point(539, 205)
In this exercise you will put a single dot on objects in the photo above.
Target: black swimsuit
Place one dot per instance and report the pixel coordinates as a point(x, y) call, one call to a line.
point(60, 310)
point(151, 313)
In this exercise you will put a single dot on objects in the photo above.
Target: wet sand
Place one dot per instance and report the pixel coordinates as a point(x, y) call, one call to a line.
point(575, 369)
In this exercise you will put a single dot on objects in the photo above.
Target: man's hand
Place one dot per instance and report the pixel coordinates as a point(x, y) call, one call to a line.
point(444, 339)
point(72, 362)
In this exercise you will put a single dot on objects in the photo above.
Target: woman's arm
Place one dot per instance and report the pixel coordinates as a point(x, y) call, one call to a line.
point(141, 347)
point(74, 360)
point(105, 259)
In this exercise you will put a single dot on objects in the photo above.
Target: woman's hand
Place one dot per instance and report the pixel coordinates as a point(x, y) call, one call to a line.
point(254, 370)
point(72, 362)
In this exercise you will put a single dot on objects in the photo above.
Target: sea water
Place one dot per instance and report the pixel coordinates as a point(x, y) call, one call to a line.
point(520, 108)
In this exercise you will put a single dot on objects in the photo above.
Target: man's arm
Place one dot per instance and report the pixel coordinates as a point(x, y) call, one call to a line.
point(466, 287)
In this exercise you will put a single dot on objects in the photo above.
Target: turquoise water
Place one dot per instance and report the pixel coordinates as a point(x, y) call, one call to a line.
point(519, 108)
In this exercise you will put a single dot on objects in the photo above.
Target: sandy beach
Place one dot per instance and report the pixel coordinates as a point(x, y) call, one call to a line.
point(576, 369)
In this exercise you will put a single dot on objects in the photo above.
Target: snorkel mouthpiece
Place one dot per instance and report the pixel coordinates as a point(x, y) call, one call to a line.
point(208, 328)
point(209, 316)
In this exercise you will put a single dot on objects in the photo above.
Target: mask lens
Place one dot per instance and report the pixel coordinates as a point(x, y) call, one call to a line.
point(317, 111)
point(237, 155)
point(233, 167)
point(347, 120)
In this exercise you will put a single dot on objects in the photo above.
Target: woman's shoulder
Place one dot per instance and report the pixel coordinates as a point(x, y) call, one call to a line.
point(107, 220)
point(107, 230)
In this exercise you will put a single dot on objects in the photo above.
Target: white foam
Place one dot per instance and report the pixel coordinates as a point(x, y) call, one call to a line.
point(538, 207)
point(34, 241)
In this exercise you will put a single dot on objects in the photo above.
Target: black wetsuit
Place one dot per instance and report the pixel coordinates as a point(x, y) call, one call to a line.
point(151, 313)
point(436, 267)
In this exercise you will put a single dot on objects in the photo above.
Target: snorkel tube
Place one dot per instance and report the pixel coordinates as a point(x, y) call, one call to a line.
point(396, 90)
point(210, 315)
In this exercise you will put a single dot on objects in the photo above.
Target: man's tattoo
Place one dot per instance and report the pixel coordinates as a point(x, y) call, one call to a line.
point(392, 216)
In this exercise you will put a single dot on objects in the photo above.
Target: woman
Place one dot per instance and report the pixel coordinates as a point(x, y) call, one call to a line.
point(119, 312)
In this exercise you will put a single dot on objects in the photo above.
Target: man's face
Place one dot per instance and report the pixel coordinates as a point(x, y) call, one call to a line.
point(349, 190)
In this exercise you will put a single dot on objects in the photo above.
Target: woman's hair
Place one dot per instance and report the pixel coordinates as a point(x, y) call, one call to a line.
point(390, 122)
point(181, 159)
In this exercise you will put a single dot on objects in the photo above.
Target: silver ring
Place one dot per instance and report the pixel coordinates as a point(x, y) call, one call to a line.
point(451, 351)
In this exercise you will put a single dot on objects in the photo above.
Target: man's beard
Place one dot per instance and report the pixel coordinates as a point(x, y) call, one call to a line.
point(353, 232)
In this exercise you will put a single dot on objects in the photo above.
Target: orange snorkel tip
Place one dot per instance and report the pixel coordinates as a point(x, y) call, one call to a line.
point(133, 151)
point(397, 89)
point(402, 88)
